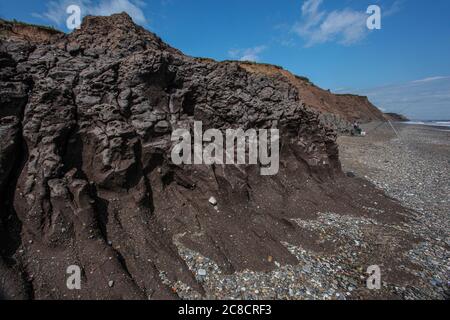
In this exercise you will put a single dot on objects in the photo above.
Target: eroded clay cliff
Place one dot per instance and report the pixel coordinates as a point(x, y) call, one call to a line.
point(337, 110)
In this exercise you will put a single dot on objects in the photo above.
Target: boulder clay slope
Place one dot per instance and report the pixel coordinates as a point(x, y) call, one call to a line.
point(348, 107)
point(86, 177)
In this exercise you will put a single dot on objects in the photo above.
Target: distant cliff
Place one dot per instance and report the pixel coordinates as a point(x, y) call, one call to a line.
point(349, 107)
point(395, 117)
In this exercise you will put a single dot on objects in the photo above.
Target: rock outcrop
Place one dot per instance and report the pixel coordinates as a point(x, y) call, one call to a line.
point(86, 177)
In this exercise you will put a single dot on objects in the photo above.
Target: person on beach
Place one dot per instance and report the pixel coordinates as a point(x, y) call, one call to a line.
point(356, 128)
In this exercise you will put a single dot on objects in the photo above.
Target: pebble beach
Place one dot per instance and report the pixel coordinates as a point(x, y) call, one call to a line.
point(411, 163)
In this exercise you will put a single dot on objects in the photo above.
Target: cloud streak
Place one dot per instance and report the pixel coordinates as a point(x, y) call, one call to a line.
point(430, 79)
point(248, 54)
point(56, 10)
point(424, 99)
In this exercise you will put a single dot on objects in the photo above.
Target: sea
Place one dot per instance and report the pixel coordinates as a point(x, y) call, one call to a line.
point(438, 123)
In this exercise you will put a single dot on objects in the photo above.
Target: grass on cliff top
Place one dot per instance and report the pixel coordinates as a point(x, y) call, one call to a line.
point(261, 64)
point(25, 24)
point(256, 63)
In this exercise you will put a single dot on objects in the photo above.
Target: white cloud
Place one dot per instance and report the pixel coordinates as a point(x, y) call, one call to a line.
point(318, 26)
point(248, 54)
point(393, 9)
point(430, 79)
point(56, 9)
point(346, 26)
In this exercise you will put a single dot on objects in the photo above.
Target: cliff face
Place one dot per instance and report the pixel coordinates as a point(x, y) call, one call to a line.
point(86, 178)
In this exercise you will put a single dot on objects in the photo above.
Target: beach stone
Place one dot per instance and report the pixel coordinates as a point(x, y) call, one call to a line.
point(201, 272)
point(213, 201)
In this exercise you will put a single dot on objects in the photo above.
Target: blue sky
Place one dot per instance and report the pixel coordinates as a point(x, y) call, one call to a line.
point(404, 67)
